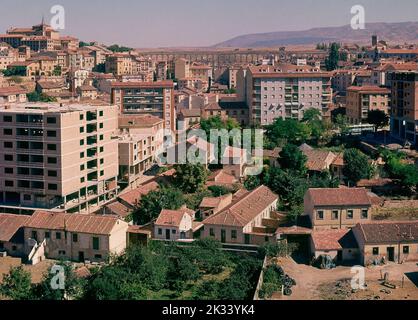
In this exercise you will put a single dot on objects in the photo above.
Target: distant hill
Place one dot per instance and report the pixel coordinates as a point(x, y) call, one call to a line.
point(398, 33)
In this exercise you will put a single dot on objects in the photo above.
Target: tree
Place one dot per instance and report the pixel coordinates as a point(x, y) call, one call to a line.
point(313, 119)
point(291, 157)
point(57, 71)
point(252, 182)
point(341, 122)
point(155, 201)
point(287, 131)
point(218, 124)
point(117, 48)
point(73, 285)
point(218, 191)
point(331, 63)
point(288, 184)
point(357, 166)
point(378, 118)
point(101, 67)
point(37, 97)
point(15, 71)
point(16, 284)
point(190, 177)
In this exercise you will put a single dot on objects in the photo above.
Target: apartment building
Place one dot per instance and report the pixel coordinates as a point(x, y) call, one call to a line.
point(361, 100)
point(146, 98)
point(136, 155)
point(8, 55)
point(286, 91)
point(57, 157)
point(404, 106)
point(337, 208)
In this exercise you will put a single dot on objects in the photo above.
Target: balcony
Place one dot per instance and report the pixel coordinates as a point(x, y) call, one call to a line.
point(92, 141)
point(91, 116)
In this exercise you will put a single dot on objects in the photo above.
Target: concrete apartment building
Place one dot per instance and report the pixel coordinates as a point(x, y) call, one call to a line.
point(56, 157)
point(404, 106)
point(361, 100)
point(136, 155)
point(73, 237)
point(337, 208)
point(285, 91)
point(141, 98)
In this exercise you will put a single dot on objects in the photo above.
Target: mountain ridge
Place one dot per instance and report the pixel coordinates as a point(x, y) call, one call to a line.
point(396, 32)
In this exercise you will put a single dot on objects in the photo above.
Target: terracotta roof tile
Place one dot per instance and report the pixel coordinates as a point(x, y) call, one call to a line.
point(339, 197)
point(333, 239)
point(389, 231)
point(10, 224)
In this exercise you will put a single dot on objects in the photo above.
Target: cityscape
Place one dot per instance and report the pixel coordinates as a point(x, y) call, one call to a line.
point(273, 166)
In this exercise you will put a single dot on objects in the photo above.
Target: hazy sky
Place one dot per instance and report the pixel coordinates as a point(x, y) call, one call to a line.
point(160, 23)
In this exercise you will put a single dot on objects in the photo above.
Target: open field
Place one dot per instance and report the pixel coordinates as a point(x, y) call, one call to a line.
point(316, 284)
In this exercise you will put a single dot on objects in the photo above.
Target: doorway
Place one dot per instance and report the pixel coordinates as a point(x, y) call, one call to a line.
point(391, 253)
point(167, 234)
point(223, 236)
point(81, 256)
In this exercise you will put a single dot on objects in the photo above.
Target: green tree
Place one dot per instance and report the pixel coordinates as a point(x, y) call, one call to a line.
point(378, 118)
point(291, 157)
point(313, 119)
point(57, 71)
point(218, 191)
point(357, 166)
point(39, 97)
point(341, 122)
point(15, 71)
point(16, 284)
point(190, 177)
point(252, 182)
point(287, 131)
point(117, 48)
point(331, 63)
point(152, 204)
point(219, 124)
point(73, 285)
point(101, 67)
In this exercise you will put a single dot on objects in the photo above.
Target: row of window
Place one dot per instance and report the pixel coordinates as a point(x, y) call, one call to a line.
point(31, 184)
point(405, 250)
point(24, 118)
point(349, 214)
point(29, 132)
point(75, 238)
point(31, 172)
point(30, 158)
point(29, 145)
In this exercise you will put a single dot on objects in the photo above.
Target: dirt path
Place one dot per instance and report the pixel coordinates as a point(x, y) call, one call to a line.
point(316, 284)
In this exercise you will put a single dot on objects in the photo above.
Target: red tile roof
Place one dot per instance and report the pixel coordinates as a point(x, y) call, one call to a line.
point(389, 231)
point(339, 197)
point(134, 196)
point(245, 209)
point(172, 217)
point(10, 224)
point(333, 239)
point(79, 223)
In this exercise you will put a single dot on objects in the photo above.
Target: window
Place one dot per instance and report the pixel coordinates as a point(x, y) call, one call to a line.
point(375, 251)
point(51, 120)
point(52, 173)
point(97, 256)
point(81, 155)
point(334, 215)
point(320, 215)
point(96, 243)
point(8, 145)
point(173, 231)
point(82, 180)
point(405, 249)
point(8, 170)
point(7, 132)
point(82, 142)
point(8, 157)
point(51, 133)
point(101, 113)
point(27, 197)
point(47, 235)
point(52, 147)
point(160, 231)
point(101, 149)
point(364, 214)
point(81, 117)
point(212, 232)
point(52, 186)
point(81, 129)
point(61, 252)
point(34, 235)
point(58, 235)
point(101, 161)
point(101, 125)
point(350, 214)
point(8, 183)
point(233, 234)
point(7, 119)
point(75, 237)
point(101, 137)
point(52, 160)
point(82, 167)
point(102, 173)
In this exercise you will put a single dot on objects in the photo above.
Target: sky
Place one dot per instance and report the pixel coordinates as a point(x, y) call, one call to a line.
point(192, 23)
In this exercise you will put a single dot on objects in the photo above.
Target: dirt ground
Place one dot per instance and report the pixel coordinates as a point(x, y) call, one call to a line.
point(316, 284)
point(36, 271)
